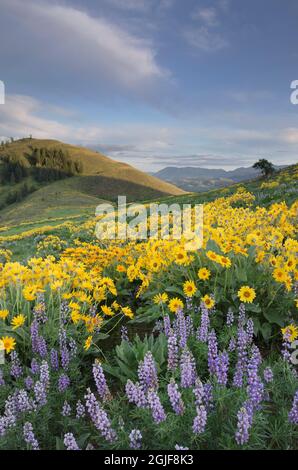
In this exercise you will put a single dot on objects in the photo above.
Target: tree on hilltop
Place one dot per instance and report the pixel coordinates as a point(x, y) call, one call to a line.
point(266, 167)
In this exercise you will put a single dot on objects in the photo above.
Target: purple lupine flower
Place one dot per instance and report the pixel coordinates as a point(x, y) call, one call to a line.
point(42, 347)
point(62, 338)
point(54, 360)
point(99, 417)
point(200, 420)
point(40, 393)
point(232, 345)
point(172, 351)
point(70, 442)
point(135, 439)
point(286, 347)
point(212, 352)
point(187, 369)
point(242, 357)
point(29, 382)
point(268, 375)
point(16, 369)
point(3, 426)
point(198, 392)
point(230, 317)
point(222, 368)
point(29, 436)
point(66, 409)
point(44, 373)
point(188, 303)
point(39, 310)
point(158, 412)
point(124, 333)
point(2, 381)
point(250, 408)
point(135, 394)
point(250, 330)
point(22, 401)
point(100, 381)
point(63, 383)
point(178, 447)
point(181, 329)
point(167, 325)
point(147, 373)
point(34, 336)
point(202, 333)
point(243, 426)
point(72, 348)
point(189, 326)
point(34, 367)
point(80, 410)
point(65, 358)
point(64, 312)
point(293, 415)
point(64, 353)
point(242, 315)
point(175, 398)
point(10, 411)
point(208, 395)
point(255, 386)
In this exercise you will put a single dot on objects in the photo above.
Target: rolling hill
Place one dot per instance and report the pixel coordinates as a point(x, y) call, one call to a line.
point(195, 179)
point(86, 178)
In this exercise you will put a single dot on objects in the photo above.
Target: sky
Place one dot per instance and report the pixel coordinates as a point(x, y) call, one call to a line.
point(154, 83)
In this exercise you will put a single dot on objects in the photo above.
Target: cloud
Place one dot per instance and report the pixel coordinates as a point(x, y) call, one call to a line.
point(206, 36)
point(205, 40)
point(66, 40)
point(140, 6)
point(135, 5)
point(206, 15)
point(20, 117)
point(146, 145)
point(290, 135)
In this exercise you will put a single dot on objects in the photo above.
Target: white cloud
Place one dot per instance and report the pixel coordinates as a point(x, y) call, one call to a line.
point(290, 136)
point(204, 39)
point(206, 15)
point(78, 42)
point(135, 5)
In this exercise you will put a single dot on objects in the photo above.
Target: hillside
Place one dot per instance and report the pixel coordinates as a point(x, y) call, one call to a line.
point(84, 176)
point(196, 179)
point(94, 163)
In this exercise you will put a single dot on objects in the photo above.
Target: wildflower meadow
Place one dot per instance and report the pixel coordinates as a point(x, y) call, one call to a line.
point(154, 344)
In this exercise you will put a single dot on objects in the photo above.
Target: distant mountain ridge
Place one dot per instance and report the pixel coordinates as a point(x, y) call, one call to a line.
point(202, 179)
